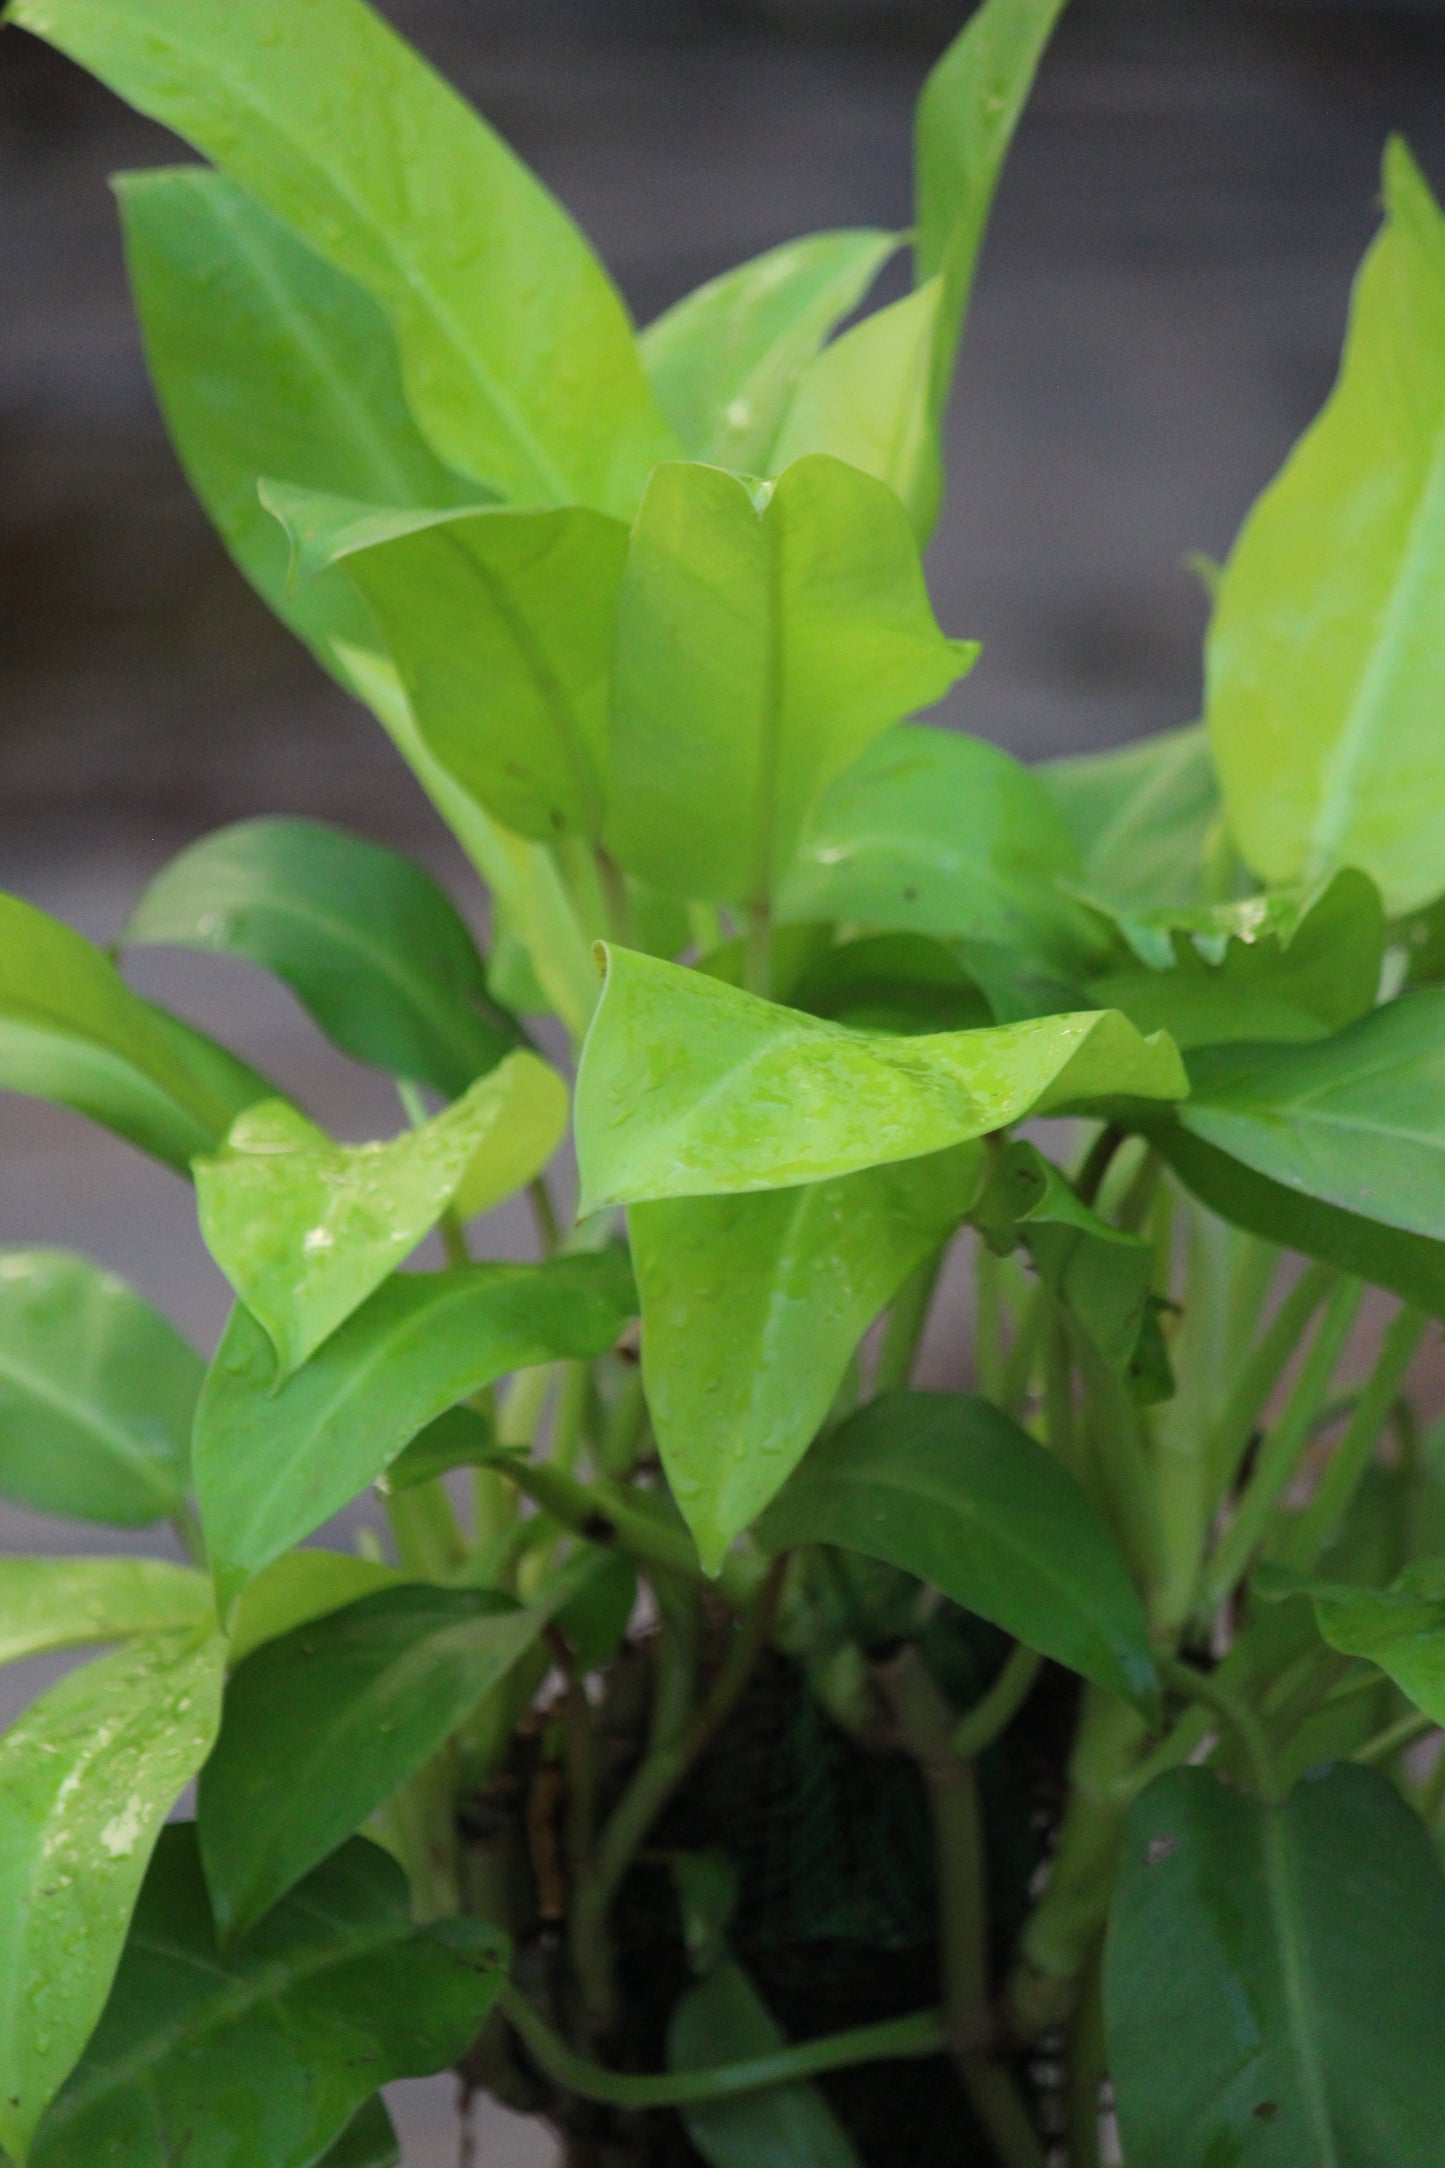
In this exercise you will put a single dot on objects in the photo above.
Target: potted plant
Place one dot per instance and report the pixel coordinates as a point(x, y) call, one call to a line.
point(769, 1761)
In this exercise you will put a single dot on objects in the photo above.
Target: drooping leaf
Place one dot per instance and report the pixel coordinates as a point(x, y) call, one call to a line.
point(723, 2019)
point(867, 399)
point(1400, 1628)
point(97, 1394)
point(1325, 665)
point(1357, 1121)
point(273, 1461)
point(322, 1724)
point(502, 626)
point(759, 652)
point(87, 1776)
point(368, 2141)
point(367, 942)
point(724, 360)
point(937, 833)
point(1281, 966)
point(71, 1030)
point(1098, 1274)
point(751, 1309)
point(1409, 1265)
point(305, 1229)
point(267, 2050)
point(953, 1491)
point(267, 361)
point(1275, 1978)
point(302, 1585)
point(1141, 817)
point(690, 1088)
point(519, 359)
point(59, 1603)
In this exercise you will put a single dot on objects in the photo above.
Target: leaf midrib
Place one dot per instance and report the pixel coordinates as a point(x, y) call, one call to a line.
point(1295, 1983)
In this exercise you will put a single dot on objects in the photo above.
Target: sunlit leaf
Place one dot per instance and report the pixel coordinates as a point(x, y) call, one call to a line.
point(58, 1603)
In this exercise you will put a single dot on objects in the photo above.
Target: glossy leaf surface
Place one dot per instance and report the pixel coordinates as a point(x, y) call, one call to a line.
point(97, 1393)
point(71, 1030)
point(950, 1489)
point(322, 1724)
point(723, 2019)
point(1357, 1120)
point(1141, 817)
point(266, 2051)
point(502, 626)
point(58, 1603)
point(1275, 1980)
point(752, 1307)
point(689, 1087)
point(1326, 656)
point(724, 360)
point(936, 833)
point(305, 1229)
point(759, 652)
point(87, 1776)
point(366, 941)
point(518, 355)
point(274, 1461)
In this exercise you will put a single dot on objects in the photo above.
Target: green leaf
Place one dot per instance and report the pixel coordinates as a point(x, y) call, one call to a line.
point(97, 1394)
point(266, 361)
point(598, 1614)
point(71, 1030)
point(937, 833)
point(1099, 1275)
point(1325, 665)
point(723, 361)
point(502, 626)
point(305, 1229)
point(867, 399)
point(787, 638)
point(953, 1491)
point(299, 1586)
point(690, 1088)
point(59, 1603)
point(900, 982)
point(322, 1724)
point(1401, 1628)
point(368, 2141)
point(519, 359)
point(266, 2051)
point(1141, 817)
point(1357, 1121)
point(967, 115)
point(87, 1776)
point(1409, 1265)
point(367, 942)
point(752, 1307)
point(274, 1460)
point(462, 1438)
point(1275, 1977)
point(722, 2020)
point(1280, 966)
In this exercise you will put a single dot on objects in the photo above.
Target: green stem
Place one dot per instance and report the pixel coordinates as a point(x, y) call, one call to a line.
point(1394, 1738)
point(1261, 1372)
point(625, 1427)
point(1204, 1687)
point(601, 1513)
point(1280, 1452)
point(898, 2039)
point(1019, 1367)
point(758, 951)
point(1304, 1541)
point(1086, 2066)
point(616, 901)
point(573, 1394)
point(544, 1216)
point(424, 1528)
point(992, 1715)
point(906, 1320)
point(988, 1357)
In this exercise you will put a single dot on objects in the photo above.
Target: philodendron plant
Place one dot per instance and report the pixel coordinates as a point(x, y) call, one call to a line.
point(738, 1752)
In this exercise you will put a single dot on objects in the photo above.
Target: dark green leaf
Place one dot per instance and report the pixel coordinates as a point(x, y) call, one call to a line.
point(903, 982)
point(598, 1615)
point(97, 1394)
point(459, 1439)
point(368, 2141)
point(322, 1724)
point(723, 361)
point(1141, 817)
point(938, 833)
point(266, 2051)
point(692, 1088)
point(752, 1307)
point(789, 630)
point(366, 941)
point(950, 1489)
point(518, 355)
point(302, 1585)
point(274, 1461)
point(71, 1030)
point(1275, 1979)
point(722, 2020)
point(87, 1776)
point(59, 1603)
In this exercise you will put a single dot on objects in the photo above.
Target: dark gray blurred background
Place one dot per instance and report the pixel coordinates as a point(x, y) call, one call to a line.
point(1159, 312)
